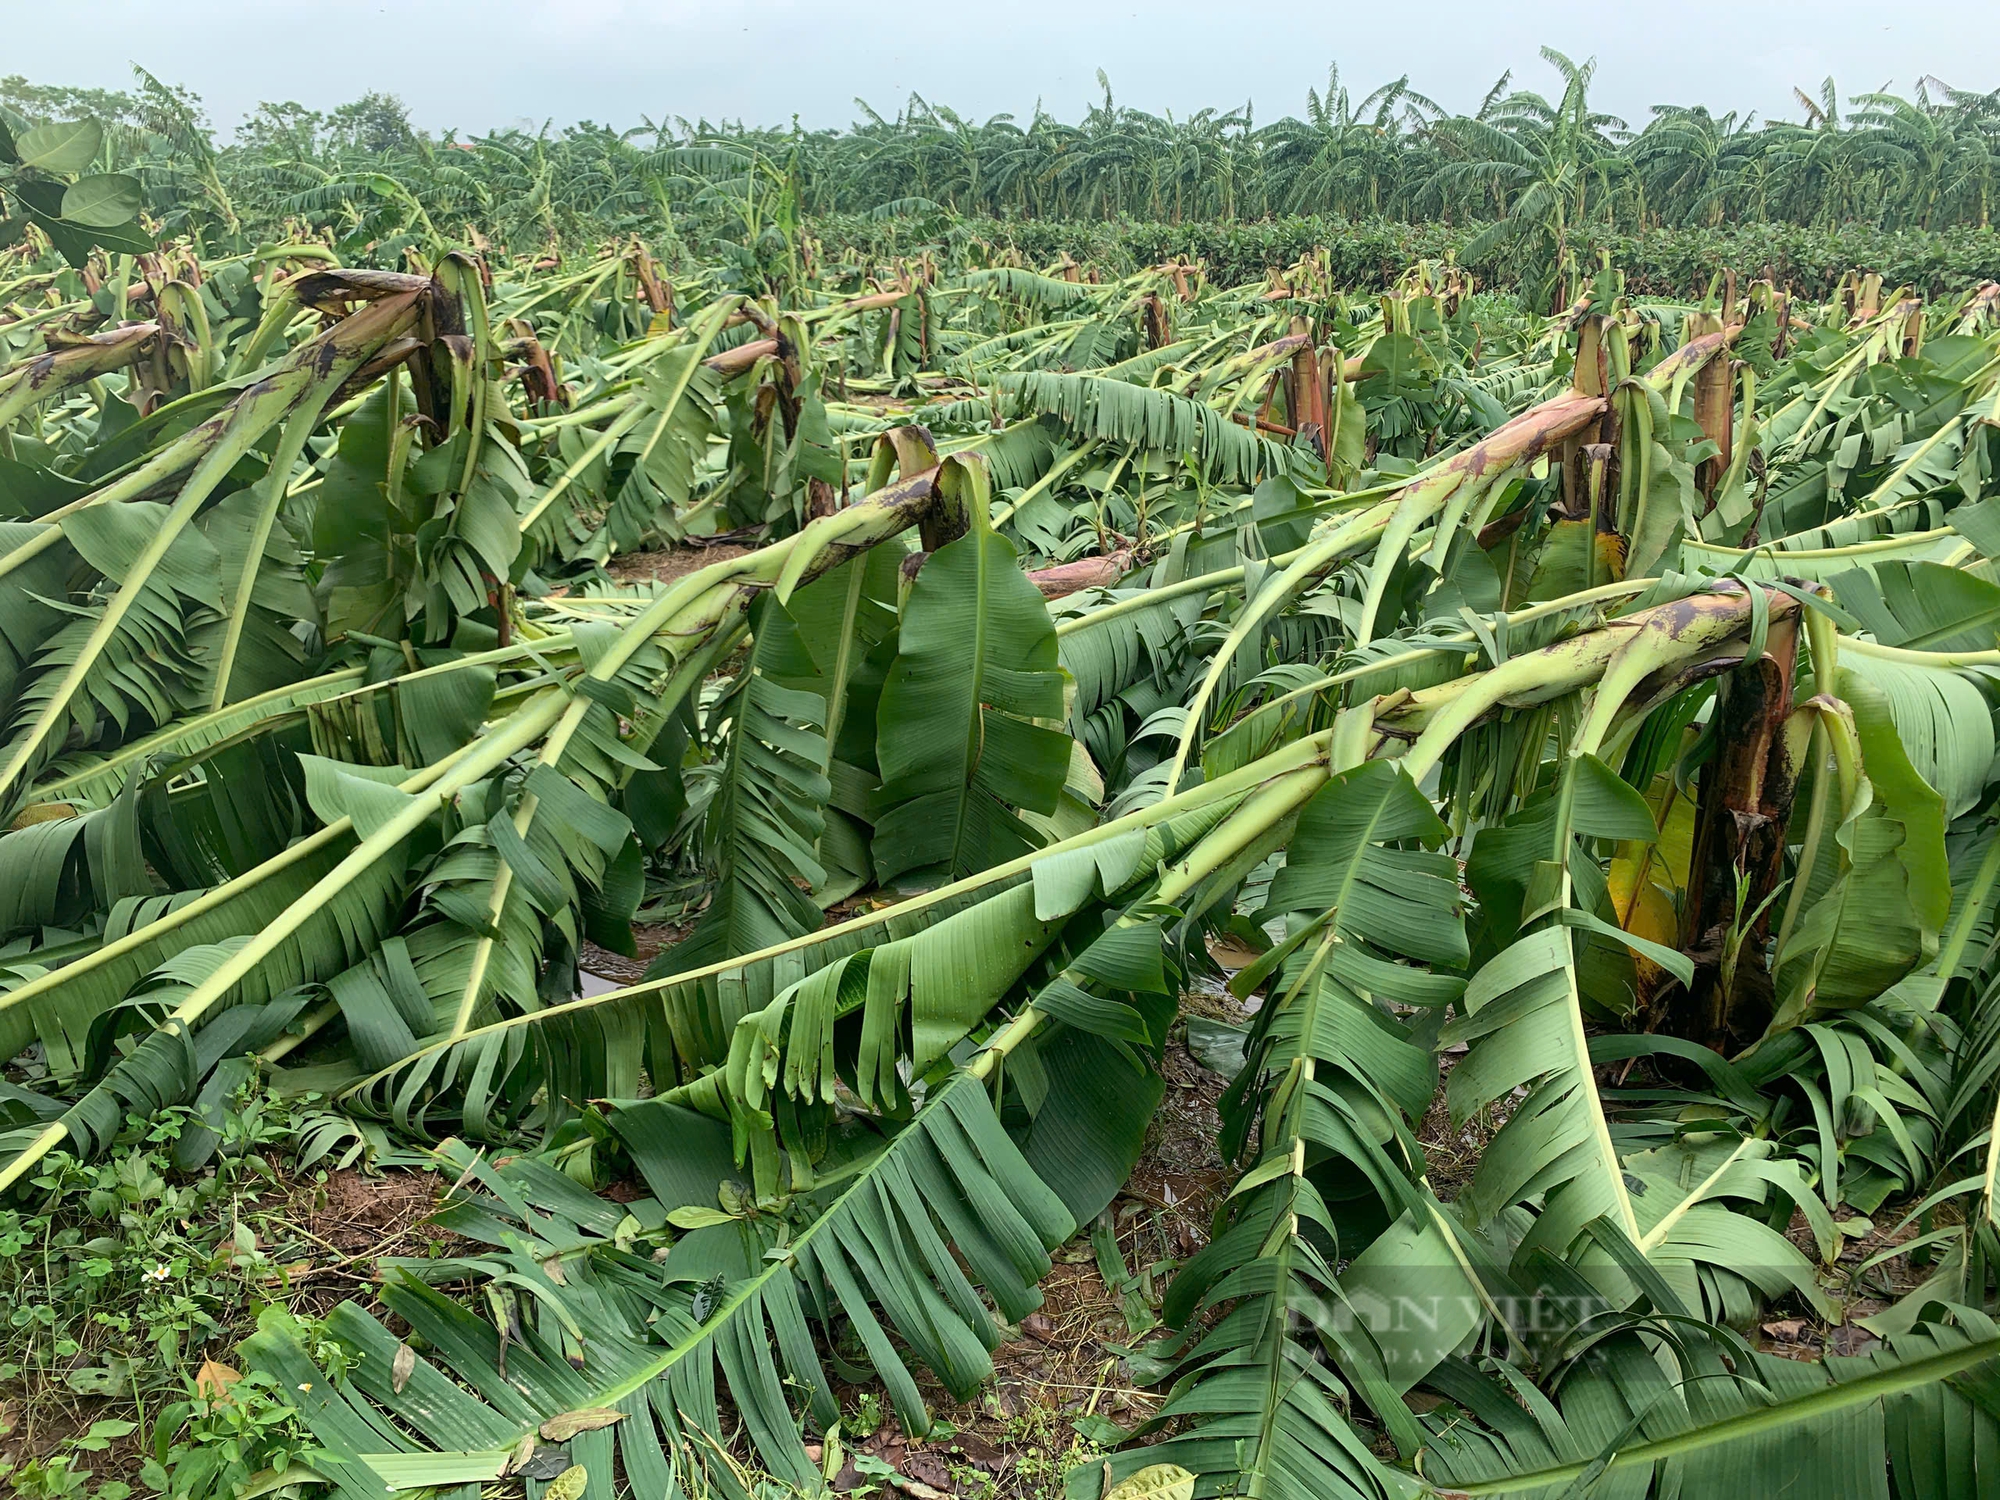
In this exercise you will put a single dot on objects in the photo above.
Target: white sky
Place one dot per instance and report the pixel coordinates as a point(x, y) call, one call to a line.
point(480, 64)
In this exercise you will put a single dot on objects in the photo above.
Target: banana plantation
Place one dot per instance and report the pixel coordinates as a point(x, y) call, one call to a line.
point(1578, 727)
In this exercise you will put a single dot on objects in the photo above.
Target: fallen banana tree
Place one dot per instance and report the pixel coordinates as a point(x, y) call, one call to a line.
point(1659, 1234)
point(325, 910)
point(1688, 879)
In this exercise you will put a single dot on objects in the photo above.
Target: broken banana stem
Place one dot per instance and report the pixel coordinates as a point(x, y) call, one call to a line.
point(1518, 442)
point(1658, 643)
point(47, 376)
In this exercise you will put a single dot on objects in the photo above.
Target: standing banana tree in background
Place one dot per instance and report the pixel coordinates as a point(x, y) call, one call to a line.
point(1583, 721)
point(1519, 188)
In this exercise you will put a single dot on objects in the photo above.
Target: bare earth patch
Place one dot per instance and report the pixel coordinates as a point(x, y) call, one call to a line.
point(671, 565)
point(353, 1213)
point(1019, 1438)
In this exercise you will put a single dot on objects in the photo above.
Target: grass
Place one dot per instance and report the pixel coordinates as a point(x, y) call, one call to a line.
point(133, 1279)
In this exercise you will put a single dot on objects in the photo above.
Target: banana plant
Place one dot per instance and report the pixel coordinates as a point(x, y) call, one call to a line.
point(325, 910)
point(1606, 722)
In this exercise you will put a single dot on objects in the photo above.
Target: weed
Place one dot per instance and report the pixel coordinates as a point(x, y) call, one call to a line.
point(132, 1283)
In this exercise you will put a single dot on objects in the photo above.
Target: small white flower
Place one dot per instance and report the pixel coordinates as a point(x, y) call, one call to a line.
point(160, 1273)
point(305, 1385)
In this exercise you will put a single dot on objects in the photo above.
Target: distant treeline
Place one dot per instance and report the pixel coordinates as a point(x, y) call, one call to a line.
point(1373, 253)
point(1527, 186)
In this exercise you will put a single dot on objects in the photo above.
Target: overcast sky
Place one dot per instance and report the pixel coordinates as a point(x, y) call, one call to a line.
point(478, 64)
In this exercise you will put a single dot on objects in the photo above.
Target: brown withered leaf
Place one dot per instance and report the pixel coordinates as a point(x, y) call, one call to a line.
point(566, 1425)
point(214, 1379)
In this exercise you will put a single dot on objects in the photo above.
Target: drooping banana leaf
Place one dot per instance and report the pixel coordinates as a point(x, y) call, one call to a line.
point(649, 1346)
point(957, 742)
